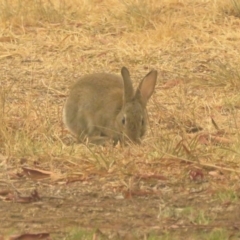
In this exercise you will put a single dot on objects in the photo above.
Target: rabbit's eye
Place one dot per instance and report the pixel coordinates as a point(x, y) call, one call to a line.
point(123, 120)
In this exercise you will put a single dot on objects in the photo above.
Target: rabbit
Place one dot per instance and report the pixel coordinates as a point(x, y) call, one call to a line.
point(105, 106)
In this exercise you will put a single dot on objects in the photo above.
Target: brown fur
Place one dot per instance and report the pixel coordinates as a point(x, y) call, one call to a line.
point(104, 105)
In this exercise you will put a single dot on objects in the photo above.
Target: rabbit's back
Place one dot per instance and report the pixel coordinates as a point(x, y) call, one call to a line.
point(93, 103)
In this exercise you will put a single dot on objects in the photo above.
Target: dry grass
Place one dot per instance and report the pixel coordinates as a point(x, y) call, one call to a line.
point(47, 45)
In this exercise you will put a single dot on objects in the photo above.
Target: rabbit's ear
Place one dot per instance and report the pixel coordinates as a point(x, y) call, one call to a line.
point(146, 87)
point(128, 87)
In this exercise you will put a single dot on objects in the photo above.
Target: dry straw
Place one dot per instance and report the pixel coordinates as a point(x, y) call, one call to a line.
point(47, 45)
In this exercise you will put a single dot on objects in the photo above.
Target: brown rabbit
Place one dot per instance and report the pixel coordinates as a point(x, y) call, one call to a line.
point(103, 105)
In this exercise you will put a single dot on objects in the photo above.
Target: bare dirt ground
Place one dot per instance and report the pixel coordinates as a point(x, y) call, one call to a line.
point(182, 182)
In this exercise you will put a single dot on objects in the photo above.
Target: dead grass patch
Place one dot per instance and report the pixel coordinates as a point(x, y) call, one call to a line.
point(184, 177)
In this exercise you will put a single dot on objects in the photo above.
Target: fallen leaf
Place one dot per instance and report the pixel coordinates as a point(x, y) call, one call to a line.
point(4, 192)
point(216, 175)
point(36, 173)
point(29, 236)
point(223, 140)
point(206, 138)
